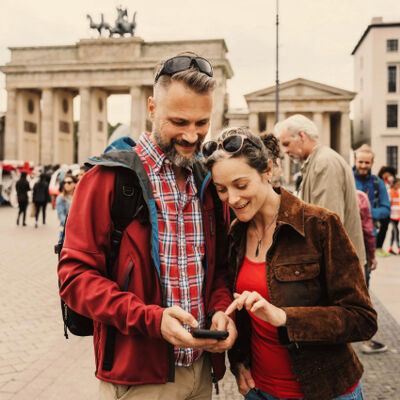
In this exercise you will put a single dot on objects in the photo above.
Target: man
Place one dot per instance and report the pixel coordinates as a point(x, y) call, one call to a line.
point(169, 276)
point(374, 187)
point(326, 178)
point(379, 201)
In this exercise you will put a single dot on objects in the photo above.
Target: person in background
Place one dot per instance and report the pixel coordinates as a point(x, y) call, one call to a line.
point(395, 215)
point(82, 170)
point(374, 187)
point(22, 188)
point(41, 197)
point(63, 201)
point(326, 178)
point(274, 150)
point(387, 174)
point(301, 297)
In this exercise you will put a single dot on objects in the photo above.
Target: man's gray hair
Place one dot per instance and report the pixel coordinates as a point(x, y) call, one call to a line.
point(192, 77)
point(295, 124)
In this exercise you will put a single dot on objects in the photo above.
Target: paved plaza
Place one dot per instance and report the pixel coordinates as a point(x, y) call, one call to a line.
point(36, 362)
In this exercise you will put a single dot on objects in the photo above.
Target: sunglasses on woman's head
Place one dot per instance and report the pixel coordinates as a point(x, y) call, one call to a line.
point(183, 63)
point(231, 144)
point(69, 182)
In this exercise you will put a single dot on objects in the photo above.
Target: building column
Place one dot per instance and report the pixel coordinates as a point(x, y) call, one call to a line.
point(47, 125)
point(317, 118)
point(11, 131)
point(253, 123)
point(85, 133)
point(345, 136)
point(137, 110)
point(270, 122)
point(325, 134)
point(218, 112)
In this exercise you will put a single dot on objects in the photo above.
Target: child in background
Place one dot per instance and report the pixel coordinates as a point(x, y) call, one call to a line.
point(394, 195)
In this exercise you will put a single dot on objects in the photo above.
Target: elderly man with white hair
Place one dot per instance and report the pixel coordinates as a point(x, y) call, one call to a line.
point(327, 180)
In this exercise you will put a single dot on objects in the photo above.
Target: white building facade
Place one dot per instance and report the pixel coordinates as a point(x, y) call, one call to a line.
point(377, 83)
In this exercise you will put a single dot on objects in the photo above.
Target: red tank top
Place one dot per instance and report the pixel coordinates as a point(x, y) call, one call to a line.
point(271, 365)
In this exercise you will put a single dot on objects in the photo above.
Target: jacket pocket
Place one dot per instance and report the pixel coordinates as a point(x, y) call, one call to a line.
point(294, 273)
point(298, 285)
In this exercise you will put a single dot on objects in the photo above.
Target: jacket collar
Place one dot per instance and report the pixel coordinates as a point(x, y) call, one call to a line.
point(291, 211)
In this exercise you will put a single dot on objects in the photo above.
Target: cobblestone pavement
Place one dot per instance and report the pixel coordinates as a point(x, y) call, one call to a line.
point(36, 362)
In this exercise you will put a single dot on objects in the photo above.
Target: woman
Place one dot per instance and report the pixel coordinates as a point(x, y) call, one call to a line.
point(22, 188)
point(63, 201)
point(300, 294)
point(41, 197)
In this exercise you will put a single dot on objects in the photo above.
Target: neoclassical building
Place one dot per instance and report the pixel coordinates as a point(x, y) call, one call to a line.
point(327, 106)
point(41, 83)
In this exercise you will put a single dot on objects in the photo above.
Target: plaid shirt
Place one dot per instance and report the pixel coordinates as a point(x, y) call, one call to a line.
point(181, 238)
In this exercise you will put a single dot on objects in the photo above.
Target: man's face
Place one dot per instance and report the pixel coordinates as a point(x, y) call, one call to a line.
point(292, 146)
point(364, 163)
point(181, 119)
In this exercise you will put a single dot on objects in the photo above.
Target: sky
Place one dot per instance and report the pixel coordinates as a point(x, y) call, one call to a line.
point(316, 37)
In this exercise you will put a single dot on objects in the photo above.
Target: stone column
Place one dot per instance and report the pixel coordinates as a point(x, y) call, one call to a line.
point(218, 112)
point(317, 118)
point(345, 136)
point(11, 131)
point(47, 125)
point(325, 134)
point(137, 110)
point(85, 131)
point(253, 123)
point(270, 122)
point(281, 116)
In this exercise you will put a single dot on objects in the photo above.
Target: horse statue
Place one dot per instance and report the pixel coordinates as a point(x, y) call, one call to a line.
point(98, 27)
point(122, 25)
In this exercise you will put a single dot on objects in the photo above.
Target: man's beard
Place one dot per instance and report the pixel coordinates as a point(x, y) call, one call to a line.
point(172, 155)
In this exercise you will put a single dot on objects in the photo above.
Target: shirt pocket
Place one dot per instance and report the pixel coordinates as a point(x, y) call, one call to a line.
point(298, 285)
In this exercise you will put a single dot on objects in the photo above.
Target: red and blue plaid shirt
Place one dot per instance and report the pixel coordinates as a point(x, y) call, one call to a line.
point(181, 238)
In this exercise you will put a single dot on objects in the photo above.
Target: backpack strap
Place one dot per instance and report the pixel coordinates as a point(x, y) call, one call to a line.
point(127, 205)
point(375, 181)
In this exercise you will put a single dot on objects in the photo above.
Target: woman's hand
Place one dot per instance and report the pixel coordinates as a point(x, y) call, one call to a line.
point(261, 308)
point(244, 379)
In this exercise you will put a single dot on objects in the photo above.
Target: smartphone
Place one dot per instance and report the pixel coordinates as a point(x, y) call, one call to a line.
point(208, 334)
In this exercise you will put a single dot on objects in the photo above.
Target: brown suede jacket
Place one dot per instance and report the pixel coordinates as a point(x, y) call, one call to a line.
point(313, 273)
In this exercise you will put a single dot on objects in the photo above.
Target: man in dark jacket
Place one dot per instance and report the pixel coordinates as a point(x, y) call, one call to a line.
point(169, 276)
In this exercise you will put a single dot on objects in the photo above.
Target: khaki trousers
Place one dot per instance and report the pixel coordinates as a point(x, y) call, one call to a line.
point(192, 383)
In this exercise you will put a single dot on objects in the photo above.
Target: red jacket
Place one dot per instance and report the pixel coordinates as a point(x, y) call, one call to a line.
point(141, 355)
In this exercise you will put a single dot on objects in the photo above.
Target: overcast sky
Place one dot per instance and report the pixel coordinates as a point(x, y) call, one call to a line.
point(316, 36)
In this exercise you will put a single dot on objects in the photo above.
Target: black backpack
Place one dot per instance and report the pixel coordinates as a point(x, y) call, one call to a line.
point(127, 205)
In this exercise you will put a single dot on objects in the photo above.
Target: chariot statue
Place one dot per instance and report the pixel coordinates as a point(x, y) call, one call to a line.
point(122, 24)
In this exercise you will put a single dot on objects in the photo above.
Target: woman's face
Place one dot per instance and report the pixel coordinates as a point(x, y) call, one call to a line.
point(241, 186)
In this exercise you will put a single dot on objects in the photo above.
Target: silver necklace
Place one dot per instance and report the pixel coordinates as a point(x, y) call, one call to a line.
point(262, 236)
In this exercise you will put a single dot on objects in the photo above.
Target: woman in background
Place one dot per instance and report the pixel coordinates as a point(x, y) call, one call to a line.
point(63, 201)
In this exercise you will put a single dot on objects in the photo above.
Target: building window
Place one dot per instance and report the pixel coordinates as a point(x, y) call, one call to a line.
point(392, 44)
point(391, 115)
point(391, 156)
point(362, 127)
point(392, 79)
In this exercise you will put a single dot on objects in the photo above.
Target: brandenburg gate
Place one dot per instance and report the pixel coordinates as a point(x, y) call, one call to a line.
point(41, 83)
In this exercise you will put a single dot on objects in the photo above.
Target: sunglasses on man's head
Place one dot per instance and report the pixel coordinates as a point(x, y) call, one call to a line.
point(69, 182)
point(231, 144)
point(183, 63)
